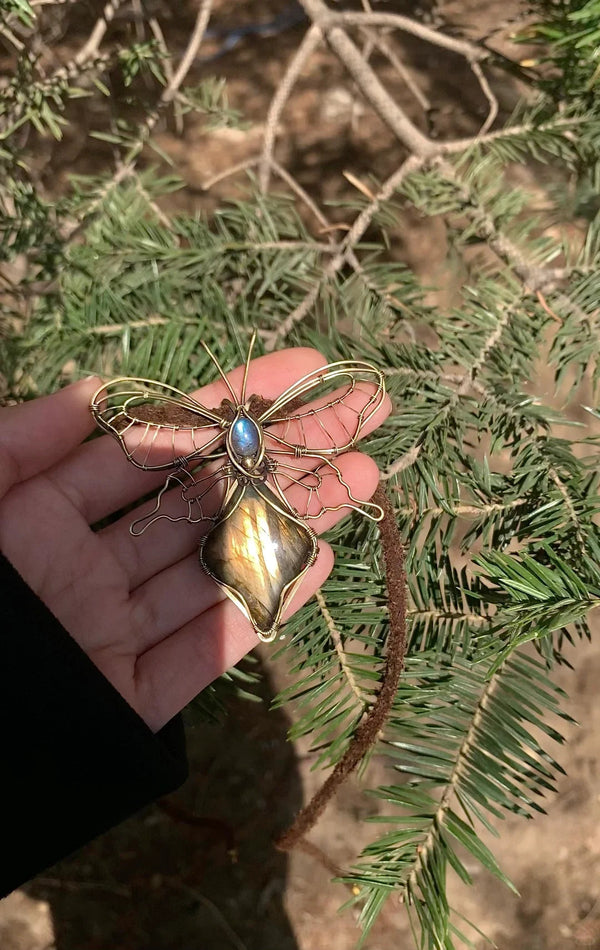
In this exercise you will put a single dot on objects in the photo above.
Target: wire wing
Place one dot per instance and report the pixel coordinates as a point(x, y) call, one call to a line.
point(157, 426)
point(320, 489)
point(186, 497)
point(342, 398)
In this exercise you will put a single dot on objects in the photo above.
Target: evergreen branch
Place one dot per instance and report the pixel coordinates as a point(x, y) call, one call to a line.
point(127, 168)
point(570, 508)
point(538, 598)
point(369, 729)
point(162, 217)
point(466, 511)
point(409, 457)
point(356, 232)
point(533, 277)
point(432, 839)
point(521, 130)
point(474, 454)
point(336, 639)
point(493, 762)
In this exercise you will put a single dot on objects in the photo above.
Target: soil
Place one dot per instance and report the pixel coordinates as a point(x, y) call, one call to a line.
point(200, 870)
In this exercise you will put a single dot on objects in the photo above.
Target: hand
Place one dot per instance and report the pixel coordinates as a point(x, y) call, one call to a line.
point(141, 607)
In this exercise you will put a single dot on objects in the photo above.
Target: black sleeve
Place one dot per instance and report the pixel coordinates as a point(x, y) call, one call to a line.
point(75, 758)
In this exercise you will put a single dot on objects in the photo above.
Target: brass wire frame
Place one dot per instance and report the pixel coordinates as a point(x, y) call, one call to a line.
point(122, 419)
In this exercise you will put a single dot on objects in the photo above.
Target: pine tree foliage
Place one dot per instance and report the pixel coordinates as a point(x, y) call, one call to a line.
point(497, 507)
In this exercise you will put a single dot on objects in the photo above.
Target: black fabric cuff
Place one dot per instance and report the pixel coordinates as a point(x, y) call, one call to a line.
point(76, 758)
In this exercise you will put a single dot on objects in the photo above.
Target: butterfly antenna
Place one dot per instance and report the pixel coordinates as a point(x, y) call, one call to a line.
point(221, 373)
point(247, 367)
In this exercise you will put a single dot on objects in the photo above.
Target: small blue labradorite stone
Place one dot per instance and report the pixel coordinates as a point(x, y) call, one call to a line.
point(245, 438)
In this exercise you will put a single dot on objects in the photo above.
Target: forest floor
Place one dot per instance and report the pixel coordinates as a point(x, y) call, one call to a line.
point(162, 882)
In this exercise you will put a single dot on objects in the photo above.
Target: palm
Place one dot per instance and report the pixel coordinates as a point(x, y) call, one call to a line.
point(141, 608)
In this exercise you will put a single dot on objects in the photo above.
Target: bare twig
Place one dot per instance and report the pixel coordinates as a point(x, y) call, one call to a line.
point(307, 47)
point(168, 67)
point(10, 36)
point(327, 19)
point(489, 95)
point(90, 48)
point(297, 188)
point(243, 166)
point(323, 859)
point(402, 71)
point(368, 81)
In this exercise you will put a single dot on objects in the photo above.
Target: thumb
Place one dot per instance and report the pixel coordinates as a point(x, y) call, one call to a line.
point(34, 435)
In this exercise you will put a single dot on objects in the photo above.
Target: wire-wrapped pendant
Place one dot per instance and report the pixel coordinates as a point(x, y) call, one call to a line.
point(232, 466)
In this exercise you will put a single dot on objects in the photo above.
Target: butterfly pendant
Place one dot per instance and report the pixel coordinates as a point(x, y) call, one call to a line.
point(234, 466)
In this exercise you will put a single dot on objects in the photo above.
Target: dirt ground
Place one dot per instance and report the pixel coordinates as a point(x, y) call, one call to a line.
point(157, 882)
point(166, 881)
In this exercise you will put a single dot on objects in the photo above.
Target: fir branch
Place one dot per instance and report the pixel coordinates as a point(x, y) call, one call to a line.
point(493, 762)
point(336, 639)
point(349, 243)
point(432, 838)
point(464, 384)
point(473, 456)
point(127, 168)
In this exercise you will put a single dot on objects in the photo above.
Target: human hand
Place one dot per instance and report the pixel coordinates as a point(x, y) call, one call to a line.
point(140, 607)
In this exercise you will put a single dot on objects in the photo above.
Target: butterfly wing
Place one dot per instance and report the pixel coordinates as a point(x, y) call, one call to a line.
point(186, 497)
point(326, 411)
point(157, 426)
point(318, 418)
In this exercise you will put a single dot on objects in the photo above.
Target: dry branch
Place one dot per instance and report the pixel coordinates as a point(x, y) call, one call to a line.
point(369, 730)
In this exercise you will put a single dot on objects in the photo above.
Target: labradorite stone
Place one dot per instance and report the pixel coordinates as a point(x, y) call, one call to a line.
point(245, 439)
point(258, 551)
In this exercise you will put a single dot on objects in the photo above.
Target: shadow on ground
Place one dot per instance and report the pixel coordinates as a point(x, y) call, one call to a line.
point(198, 870)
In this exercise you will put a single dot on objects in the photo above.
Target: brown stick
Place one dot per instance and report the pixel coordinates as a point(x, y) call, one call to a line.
point(369, 730)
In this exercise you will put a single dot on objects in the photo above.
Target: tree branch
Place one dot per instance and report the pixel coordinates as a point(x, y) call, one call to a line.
point(307, 47)
point(368, 82)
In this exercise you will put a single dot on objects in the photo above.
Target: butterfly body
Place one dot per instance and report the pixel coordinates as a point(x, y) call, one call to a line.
point(235, 467)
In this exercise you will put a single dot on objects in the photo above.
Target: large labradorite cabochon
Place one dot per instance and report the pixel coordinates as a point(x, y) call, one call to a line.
point(256, 552)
